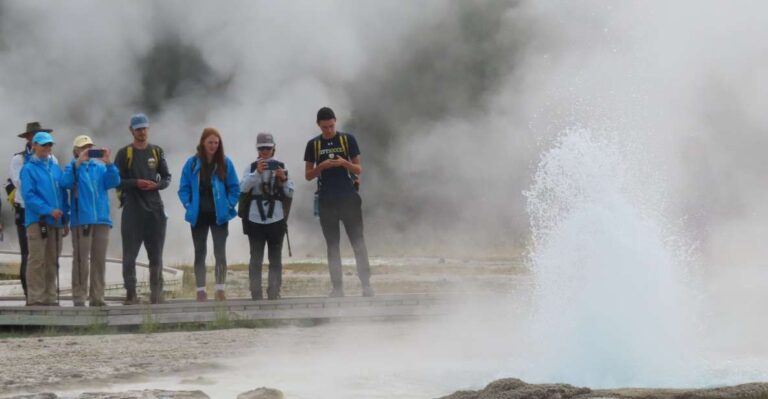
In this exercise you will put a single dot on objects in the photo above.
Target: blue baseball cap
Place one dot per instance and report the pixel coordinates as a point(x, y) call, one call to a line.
point(42, 138)
point(139, 120)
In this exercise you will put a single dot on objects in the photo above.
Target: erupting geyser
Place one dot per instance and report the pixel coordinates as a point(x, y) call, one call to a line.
point(611, 304)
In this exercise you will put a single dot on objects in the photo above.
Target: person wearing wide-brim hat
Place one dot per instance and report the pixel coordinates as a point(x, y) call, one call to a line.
point(13, 189)
point(89, 179)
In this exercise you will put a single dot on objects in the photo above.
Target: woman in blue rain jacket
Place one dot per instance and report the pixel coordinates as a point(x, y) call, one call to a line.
point(46, 220)
point(209, 190)
point(89, 180)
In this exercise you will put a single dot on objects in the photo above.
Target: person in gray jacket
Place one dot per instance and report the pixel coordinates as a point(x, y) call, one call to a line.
point(268, 183)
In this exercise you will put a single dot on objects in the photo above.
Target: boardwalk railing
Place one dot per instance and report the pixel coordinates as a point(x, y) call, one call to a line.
point(171, 283)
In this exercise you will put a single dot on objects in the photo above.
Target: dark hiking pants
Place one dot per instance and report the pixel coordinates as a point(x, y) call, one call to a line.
point(148, 227)
point(21, 230)
point(271, 234)
point(219, 233)
point(346, 209)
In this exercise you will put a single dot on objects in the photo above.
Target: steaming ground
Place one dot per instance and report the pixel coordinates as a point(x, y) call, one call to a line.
point(347, 359)
point(485, 338)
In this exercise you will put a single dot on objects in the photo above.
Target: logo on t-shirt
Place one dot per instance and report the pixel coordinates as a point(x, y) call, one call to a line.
point(328, 151)
point(152, 163)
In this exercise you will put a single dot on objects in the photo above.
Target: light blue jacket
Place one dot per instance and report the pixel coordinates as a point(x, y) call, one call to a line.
point(42, 192)
point(94, 178)
point(225, 195)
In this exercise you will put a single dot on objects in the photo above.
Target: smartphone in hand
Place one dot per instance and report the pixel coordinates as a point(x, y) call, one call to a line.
point(96, 153)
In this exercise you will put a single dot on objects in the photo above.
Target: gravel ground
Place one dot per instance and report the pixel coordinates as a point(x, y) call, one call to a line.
point(48, 363)
point(60, 363)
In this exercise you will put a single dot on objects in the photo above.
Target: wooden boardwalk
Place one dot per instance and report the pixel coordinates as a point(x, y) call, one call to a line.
point(187, 311)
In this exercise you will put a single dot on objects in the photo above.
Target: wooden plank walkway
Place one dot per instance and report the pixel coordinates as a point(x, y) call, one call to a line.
point(187, 311)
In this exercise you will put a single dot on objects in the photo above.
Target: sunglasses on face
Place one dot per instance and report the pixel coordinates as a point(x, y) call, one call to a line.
point(265, 148)
point(48, 145)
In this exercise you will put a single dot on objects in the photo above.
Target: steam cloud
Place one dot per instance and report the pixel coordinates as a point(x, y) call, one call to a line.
point(451, 101)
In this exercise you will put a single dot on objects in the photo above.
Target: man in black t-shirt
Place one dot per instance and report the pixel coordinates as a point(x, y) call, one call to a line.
point(143, 172)
point(334, 159)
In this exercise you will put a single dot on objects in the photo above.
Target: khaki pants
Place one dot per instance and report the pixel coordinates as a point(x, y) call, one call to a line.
point(42, 265)
point(89, 253)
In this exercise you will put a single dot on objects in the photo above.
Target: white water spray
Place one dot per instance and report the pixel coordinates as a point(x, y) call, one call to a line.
point(611, 301)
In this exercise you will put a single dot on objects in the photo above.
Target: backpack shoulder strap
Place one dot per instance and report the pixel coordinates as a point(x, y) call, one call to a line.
point(317, 151)
point(129, 155)
point(344, 144)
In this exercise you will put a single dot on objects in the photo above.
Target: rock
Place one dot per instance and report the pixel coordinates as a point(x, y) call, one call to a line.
point(512, 388)
point(262, 393)
point(200, 380)
point(146, 394)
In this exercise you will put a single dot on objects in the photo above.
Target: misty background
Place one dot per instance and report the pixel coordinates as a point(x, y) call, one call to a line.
point(452, 103)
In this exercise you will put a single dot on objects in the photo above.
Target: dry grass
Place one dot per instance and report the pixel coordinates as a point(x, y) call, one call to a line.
point(312, 279)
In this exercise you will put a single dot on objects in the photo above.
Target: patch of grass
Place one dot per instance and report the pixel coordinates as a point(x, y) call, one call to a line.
point(148, 324)
point(6, 276)
point(223, 319)
point(9, 271)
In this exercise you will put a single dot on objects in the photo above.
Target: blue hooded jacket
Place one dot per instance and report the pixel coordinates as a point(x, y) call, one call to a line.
point(225, 195)
point(94, 178)
point(42, 192)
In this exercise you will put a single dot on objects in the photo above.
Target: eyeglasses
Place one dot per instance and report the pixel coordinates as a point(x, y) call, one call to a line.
point(264, 148)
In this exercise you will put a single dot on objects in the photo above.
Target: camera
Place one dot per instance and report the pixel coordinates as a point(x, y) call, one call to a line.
point(43, 227)
point(96, 153)
point(273, 165)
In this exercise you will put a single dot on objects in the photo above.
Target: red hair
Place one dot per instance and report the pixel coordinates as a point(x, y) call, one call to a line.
point(218, 157)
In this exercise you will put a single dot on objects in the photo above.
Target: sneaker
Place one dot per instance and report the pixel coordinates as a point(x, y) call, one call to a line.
point(202, 296)
point(79, 303)
point(336, 293)
point(220, 296)
point(273, 294)
point(257, 295)
point(367, 291)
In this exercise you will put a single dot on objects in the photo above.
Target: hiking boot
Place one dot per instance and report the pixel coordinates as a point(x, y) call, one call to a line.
point(257, 295)
point(97, 303)
point(78, 303)
point(368, 291)
point(273, 294)
point(202, 296)
point(220, 296)
point(156, 298)
point(130, 297)
point(336, 293)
